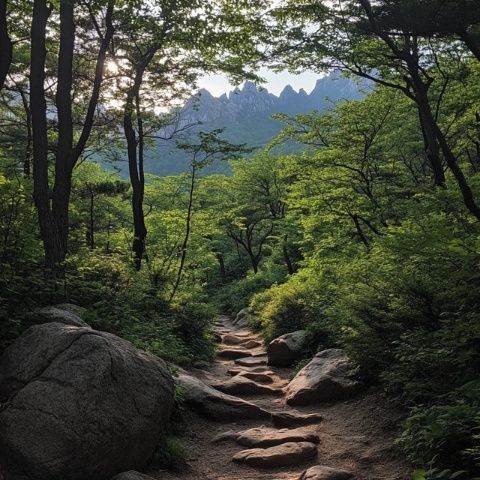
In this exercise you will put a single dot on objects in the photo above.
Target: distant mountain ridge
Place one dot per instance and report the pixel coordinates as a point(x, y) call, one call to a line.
point(251, 100)
point(245, 114)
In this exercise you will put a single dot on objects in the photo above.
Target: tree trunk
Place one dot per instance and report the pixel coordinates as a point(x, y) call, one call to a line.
point(286, 257)
point(97, 83)
point(254, 262)
point(91, 228)
point(135, 162)
point(135, 168)
point(221, 265)
point(41, 191)
point(53, 208)
point(472, 42)
point(5, 44)
point(64, 161)
point(452, 163)
point(360, 233)
point(432, 150)
point(187, 232)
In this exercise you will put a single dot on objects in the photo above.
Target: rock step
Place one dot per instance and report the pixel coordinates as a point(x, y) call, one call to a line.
point(264, 437)
point(241, 333)
point(251, 361)
point(231, 339)
point(321, 472)
point(215, 405)
point(294, 419)
point(251, 344)
point(233, 353)
point(240, 385)
point(265, 377)
point(285, 455)
point(241, 370)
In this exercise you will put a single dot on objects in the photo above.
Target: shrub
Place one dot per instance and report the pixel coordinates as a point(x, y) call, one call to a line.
point(237, 295)
point(295, 305)
point(446, 437)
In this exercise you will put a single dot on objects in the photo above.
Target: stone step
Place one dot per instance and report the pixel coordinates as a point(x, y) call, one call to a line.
point(264, 437)
point(251, 344)
point(321, 472)
point(233, 353)
point(251, 361)
point(260, 369)
point(216, 405)
point(265, 377)
point(285, 455)
point(240, 385)
point(241, 333)
point(231, 339)
point(294, 419)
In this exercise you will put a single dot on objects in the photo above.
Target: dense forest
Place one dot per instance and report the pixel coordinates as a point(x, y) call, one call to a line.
point(366, 237)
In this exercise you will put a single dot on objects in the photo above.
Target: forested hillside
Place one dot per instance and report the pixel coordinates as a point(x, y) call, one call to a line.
point(246, 115)
point(363, 240)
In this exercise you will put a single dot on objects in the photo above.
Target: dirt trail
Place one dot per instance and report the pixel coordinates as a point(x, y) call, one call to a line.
point(355, 435)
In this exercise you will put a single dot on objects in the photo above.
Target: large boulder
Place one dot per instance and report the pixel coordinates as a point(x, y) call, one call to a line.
point(327, 378)
point(284, 350)
point(65, 313)
point(76, 403)
point(214, 404)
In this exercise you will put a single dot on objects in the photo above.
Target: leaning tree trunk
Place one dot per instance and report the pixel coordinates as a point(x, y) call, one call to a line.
point(450, 158)
point(472, 41)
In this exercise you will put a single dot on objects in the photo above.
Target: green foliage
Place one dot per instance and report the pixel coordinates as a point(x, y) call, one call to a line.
point(446, 435)
point(234, 296)
point(347, 239)
point(173, 454)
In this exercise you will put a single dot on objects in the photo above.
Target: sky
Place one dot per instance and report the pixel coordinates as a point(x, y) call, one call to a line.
point(275, 82)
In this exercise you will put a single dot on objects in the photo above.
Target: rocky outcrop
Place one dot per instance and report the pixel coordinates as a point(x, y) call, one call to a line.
point(284, 350)
point(325, 473)
point(77, 403)
point(284, 455)
point(214, 404)
point(327, 378)
point(65, 313)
